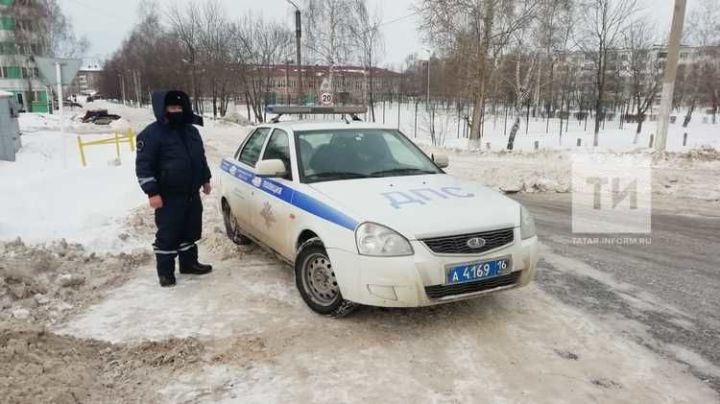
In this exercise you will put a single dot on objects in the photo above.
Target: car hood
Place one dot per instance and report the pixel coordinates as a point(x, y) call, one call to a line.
point(423, 206)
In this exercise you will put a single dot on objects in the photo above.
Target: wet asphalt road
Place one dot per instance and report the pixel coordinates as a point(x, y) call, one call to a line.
point(676, 279)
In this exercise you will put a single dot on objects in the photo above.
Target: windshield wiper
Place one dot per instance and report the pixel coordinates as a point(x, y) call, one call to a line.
point(401, 171)
point(336, 175)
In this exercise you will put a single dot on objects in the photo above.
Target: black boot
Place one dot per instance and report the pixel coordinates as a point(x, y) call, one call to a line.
point(165, 268)
point(189, 261)
point(167, 281)
point(196, 269)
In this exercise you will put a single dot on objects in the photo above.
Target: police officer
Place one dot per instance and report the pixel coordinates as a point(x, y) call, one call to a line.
point(171, 168)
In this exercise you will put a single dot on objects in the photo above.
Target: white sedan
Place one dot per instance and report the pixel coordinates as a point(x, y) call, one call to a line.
point(365, 217)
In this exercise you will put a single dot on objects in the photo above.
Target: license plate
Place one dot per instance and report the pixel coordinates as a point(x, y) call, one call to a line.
point(477, 270)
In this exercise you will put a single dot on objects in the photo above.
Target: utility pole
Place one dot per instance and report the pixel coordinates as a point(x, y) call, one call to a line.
point(298, 42)
point(671, 68)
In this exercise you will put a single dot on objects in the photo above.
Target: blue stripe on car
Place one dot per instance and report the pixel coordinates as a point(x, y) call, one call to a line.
point(291, 196)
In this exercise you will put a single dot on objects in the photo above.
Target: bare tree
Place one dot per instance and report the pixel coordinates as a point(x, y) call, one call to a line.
point(552, 31)
point(328, 35)
point(703, 30)
point(479, 30)
point(523, 59)
point(642, 70)
point(259, 46)
point(214, 39)
point(185, 24)
point(367, 39)
point(151, 54)
point(599, 31)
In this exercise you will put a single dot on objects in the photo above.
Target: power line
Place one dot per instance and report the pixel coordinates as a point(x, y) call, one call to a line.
point(414, 13)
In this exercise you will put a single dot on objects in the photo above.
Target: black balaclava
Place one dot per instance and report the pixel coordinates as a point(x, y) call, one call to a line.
point(174, 118)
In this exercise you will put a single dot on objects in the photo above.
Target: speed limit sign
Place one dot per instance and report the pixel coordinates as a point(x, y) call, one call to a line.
point(326, 98)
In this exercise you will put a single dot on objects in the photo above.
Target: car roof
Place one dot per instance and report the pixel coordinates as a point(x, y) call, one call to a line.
point(298, 125)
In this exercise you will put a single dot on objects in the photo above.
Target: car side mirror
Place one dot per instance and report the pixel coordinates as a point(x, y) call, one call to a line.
point(271, 168)
point(441, 160)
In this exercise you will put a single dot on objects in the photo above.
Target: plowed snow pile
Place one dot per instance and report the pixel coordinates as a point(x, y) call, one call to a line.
point(45, 283)
point(687, 175)
point(37, 366)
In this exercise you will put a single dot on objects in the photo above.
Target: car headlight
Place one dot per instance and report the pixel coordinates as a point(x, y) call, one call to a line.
point(379, 241)
point(527, 223)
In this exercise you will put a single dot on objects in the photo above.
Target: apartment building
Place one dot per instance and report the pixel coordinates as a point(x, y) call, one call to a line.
point(23, 35)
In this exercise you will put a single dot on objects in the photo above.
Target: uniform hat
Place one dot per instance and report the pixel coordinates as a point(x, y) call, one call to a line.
point(173, 99)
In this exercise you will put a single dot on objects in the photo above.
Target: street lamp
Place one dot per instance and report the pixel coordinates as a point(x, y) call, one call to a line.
point(298, 36)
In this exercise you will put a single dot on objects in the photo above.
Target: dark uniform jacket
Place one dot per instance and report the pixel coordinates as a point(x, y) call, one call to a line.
point(171, 159)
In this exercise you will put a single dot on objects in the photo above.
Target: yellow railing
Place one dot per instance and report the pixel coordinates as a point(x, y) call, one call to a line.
point(128, 137)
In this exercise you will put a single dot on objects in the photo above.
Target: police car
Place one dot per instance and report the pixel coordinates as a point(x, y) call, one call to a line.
point(366, 217)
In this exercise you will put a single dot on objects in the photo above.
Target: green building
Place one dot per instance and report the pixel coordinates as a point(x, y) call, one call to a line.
point(23, 35)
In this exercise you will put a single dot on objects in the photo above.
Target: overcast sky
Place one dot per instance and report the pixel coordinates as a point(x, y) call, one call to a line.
point(107, 22)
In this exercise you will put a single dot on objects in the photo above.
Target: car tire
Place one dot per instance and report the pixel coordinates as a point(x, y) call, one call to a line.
point(232, 229)
point(315, 280)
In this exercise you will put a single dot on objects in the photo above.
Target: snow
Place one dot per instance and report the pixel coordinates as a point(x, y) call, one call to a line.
point(50, 196)
point(451, 129)
point(268, 347)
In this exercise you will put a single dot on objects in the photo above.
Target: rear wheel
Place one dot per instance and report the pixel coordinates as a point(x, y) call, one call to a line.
point(315, 279)
point(231, 226)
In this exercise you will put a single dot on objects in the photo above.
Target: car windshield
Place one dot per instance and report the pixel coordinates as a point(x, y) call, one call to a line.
point(330, 155)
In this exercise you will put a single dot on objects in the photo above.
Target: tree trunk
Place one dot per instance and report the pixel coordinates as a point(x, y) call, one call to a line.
point(31, 96)
point(513, 132)
point(688, 117)
point(598, 120)
point(371, 96)
point(247, 104)
point(476, 120)
point(602, 55)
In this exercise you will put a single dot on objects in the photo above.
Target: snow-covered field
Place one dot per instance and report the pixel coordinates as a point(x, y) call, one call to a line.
point(451, 130)
point(243, 333)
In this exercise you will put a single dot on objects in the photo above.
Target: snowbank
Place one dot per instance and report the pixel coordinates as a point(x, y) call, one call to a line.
point(50, 196)
point(691, 175)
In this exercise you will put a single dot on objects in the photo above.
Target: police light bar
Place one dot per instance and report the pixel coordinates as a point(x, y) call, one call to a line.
point(299, 109)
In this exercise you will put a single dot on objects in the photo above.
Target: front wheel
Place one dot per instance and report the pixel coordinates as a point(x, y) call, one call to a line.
point(315, 279)
point(231, 226)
